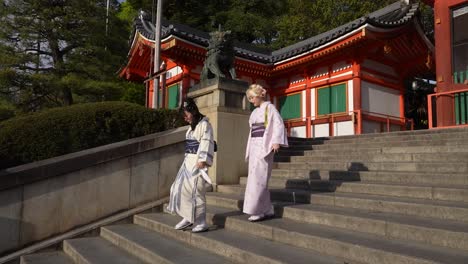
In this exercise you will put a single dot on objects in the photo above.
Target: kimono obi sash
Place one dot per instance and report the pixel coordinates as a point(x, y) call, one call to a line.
point(258, 129)
point(191, 146)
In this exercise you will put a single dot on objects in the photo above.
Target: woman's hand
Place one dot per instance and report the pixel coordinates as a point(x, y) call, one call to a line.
point(275, 148)
point(201, 165)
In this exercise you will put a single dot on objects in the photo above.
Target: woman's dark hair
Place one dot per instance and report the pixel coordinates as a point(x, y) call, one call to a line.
point(190, 106)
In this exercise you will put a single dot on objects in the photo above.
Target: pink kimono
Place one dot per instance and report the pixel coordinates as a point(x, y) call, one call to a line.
point(260, 156)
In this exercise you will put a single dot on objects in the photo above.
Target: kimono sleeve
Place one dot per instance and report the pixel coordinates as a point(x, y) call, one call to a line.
point(277, 125)
point(206, 149)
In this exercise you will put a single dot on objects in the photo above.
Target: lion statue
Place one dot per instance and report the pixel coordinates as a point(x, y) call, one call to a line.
point(219, 56)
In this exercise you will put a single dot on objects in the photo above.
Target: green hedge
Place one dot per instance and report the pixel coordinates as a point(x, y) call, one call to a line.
point(59, 131)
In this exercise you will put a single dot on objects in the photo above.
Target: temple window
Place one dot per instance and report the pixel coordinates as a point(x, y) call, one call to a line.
point(331, 99)
point(173, 96)
point(290, 106)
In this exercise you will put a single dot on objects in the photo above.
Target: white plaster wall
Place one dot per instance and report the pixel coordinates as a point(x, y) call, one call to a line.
point(298, 132)
point(312, 104)
point(173, 72)
point(343, 128)
point(374, 127)
point(379, 99)
point(350, 96)
point(395, 128)
point(370, 127)
point(321, 130)
point(304, 104)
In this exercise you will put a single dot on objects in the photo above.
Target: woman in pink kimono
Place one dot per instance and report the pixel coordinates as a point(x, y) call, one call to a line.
point(267, 134)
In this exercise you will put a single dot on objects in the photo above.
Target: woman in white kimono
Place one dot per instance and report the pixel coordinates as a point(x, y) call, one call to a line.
point(187, 197)
point(267, 134)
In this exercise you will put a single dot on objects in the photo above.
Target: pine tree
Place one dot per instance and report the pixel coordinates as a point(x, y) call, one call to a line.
point(55, 52)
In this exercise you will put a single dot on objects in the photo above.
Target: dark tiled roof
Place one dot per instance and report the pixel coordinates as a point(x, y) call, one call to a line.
point(394, 15)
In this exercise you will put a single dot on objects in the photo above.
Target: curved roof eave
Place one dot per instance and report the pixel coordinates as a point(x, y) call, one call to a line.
point(392, 16)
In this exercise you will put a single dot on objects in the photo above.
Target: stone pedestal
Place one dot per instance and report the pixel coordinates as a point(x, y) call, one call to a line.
point(224, 102)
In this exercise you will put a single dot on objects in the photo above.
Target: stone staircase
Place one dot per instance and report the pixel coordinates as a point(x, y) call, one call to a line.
point(389, 198)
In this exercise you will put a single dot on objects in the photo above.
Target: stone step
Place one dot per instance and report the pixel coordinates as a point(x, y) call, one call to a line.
point(424, 191)
point(435, 150)
point(356, 246)
point(393, 226)
point(401, 134)
point(444, 210)
point(97, 250)
point(298, 148)
point(278, 158)
point(233, 201)
point(289, 152)
point(453, 143)
point(152, 247)
point(301, 184)
point(238, 247)
point(54, 257)
point(441, 167)
point(282, 195)
point(281, 177)
point(443, 193)
point(377, 139)
point(378, 157)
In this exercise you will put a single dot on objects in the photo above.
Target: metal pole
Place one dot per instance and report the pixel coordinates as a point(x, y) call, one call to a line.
point(107, 21)
point(157, 50)
point(107, 17)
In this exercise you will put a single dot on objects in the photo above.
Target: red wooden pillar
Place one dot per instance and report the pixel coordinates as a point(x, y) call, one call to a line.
point(443, 56)
point(185, 81)
point(357, 94)
point(150, 94)
point(445, 115)
point(308, 113)
point(402, 104)
point(308, 105)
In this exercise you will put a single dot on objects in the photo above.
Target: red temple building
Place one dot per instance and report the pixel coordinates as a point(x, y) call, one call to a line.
point(349, 80)
point(449, 106)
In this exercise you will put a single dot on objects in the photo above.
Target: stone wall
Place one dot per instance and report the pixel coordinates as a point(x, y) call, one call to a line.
point(49, 197)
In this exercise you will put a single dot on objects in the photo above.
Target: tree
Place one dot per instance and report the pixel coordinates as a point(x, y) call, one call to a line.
point(304, 19)
point(200, 14)
point(252, 21)
point(51, 48)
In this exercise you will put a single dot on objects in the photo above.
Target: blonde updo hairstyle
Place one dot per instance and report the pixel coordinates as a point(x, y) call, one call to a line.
point(256, 90)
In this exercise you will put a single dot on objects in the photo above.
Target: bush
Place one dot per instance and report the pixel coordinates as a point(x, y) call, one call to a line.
point(59, 131)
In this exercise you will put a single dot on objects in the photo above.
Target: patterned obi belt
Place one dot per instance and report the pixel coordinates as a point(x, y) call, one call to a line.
point(258, 129)
point(191, 146)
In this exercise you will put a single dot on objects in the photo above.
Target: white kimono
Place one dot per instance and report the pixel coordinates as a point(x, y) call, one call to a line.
point(260, 157)
point(187, 197)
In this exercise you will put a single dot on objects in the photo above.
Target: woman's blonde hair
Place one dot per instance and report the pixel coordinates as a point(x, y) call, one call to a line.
point(257, 90)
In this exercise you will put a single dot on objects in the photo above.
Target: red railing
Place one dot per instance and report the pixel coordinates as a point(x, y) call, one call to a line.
point(454, 110)
point(357, 116)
